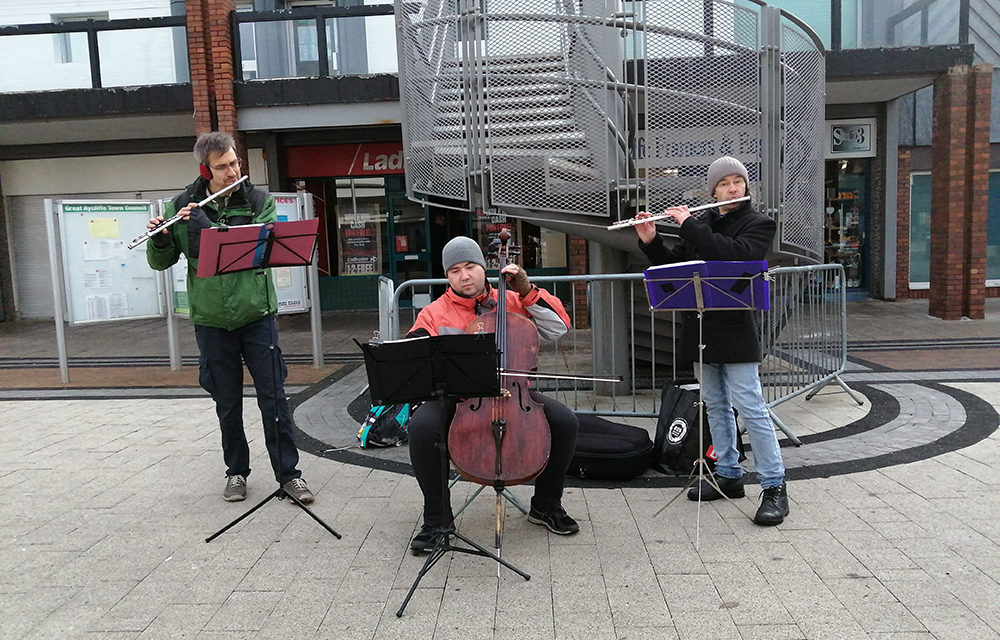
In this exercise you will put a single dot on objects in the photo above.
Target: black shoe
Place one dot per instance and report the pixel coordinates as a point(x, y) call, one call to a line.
point(424, 541)
point(557, 521)
point(773, 506)
point(731, 487)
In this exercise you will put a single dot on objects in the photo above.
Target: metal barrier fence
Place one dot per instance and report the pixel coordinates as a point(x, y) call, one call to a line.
point(804, 335)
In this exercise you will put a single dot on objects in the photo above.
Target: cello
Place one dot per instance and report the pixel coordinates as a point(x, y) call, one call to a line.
point(503, 440)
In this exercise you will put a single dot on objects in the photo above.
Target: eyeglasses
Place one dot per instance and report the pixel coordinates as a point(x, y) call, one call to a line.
point(230, 165)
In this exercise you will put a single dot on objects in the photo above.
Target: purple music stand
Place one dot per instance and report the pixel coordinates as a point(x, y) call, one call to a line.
point(703, 286)
point(720, 285)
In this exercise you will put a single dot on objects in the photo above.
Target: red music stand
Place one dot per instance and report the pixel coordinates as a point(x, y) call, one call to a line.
point(257, 246)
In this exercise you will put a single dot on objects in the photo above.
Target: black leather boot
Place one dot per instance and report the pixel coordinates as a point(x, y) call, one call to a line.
point(731, 487)
point(773, 506)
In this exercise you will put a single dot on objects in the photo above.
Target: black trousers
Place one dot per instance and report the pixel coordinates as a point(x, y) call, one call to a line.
point(223, 354)
point(425, 455)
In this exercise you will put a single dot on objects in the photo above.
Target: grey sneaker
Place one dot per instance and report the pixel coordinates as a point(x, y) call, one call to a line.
point(298, 489)
point(236, 489)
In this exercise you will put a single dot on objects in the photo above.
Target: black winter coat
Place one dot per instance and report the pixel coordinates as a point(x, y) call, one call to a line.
point(741, 234)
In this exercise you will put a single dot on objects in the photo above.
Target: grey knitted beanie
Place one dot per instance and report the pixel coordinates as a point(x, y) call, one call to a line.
point(461, 249)
point(725, 166)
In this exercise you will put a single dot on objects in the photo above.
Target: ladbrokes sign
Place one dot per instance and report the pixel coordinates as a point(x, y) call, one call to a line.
point(336, 160)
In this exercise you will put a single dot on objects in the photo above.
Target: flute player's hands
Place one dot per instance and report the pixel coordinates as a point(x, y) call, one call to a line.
point(160, 240)
point(678, 214)
point(155, 222)
point(645, 230)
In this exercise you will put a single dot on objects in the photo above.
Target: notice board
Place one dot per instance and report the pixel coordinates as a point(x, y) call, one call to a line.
point(103, 279)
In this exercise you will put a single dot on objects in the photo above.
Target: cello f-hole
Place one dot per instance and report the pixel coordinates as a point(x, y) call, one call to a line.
point(520, 398)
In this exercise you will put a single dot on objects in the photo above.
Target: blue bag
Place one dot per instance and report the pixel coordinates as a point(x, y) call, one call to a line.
point(385, 426)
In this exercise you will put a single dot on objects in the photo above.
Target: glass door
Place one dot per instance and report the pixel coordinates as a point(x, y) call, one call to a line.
point(361, 218)
point(409, 241)
point(847, 218)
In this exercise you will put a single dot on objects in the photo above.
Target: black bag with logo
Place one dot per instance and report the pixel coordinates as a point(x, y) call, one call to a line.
point(607, 450)
point(675, 448)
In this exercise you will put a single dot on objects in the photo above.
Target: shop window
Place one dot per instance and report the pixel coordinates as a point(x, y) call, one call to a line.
point(993, 232)
point(846, 222)
point(532, 247)
point(920, 230)
point(361, 219)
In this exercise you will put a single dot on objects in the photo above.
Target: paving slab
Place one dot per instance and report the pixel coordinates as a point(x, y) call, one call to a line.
point(110, 491)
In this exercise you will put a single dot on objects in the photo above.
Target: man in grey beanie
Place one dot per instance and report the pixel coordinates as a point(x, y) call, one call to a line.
point(470, 295)
point(732, 353)
point(461, 249)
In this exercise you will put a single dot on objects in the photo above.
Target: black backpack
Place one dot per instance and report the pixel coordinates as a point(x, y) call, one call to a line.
point(675, 448)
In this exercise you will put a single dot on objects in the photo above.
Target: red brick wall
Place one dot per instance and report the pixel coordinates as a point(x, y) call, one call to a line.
point(210, 52)
point(959, 189)
point(578, 265)
point(903, 224)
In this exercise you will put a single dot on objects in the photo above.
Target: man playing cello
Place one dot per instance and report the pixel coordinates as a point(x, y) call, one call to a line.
point(469, 295)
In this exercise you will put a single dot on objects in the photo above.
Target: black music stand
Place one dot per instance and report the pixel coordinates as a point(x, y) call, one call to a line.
point(260, 246)
point(436, 368)
point(706, 286)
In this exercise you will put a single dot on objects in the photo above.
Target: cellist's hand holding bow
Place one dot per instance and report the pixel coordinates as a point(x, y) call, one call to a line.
point(517, 279)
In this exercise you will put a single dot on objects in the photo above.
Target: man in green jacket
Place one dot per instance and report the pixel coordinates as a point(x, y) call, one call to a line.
point(233, 316)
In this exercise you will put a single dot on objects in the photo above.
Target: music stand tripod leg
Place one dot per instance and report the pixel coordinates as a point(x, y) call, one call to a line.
point(442, 535)
point(700, 466)
point(280, 492)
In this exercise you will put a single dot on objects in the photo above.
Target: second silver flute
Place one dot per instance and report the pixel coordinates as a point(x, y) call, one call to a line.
point(631, 222)
point(166, 223)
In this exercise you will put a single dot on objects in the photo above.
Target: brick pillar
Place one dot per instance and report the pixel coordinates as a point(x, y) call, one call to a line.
point(903, 224)
point(959, 189)
point(578, 266)
point(199, 60)
point(210, 51)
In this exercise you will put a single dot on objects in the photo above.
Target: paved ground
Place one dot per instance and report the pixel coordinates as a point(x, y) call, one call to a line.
point(111, 484)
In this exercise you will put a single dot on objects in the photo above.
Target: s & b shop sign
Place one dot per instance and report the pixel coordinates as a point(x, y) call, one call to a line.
point(855, 138)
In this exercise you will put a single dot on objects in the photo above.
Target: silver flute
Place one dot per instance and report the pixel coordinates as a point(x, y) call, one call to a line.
point(631, 222)
point(166, 223)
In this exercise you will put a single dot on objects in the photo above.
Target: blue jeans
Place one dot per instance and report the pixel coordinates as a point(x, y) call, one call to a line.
point(222, 356)
point(725, 386)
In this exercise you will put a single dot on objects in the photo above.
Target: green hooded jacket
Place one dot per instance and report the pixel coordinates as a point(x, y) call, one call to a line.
point(226, 301)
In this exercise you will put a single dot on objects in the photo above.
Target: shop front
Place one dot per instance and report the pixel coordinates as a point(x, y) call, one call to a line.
point(849, 153)
point(368, 227)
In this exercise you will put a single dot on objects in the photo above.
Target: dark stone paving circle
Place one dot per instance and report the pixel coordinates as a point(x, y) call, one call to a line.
point(911, 419)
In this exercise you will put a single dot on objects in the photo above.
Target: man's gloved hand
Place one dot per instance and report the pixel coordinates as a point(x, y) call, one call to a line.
point(197, 221)
point(517, 280)
point(198, 218)
point(161, 240)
